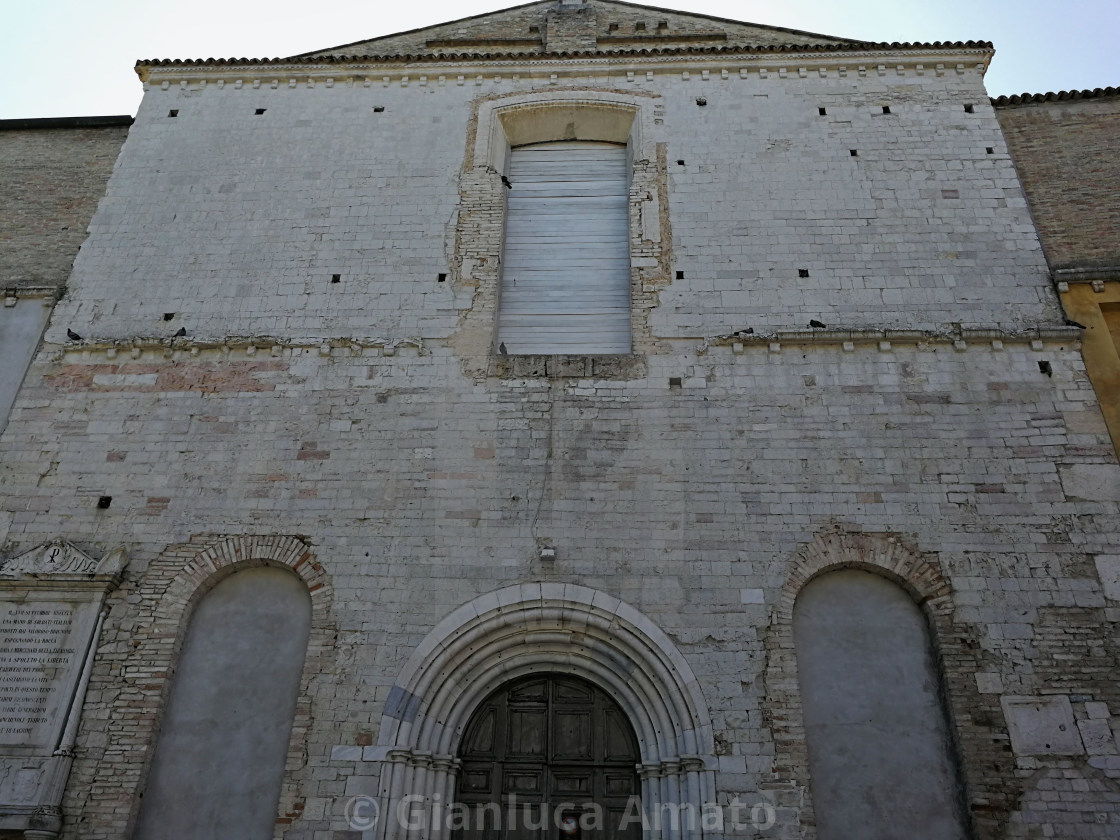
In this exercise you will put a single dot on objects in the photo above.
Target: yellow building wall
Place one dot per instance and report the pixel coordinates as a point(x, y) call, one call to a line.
point(1099, 311)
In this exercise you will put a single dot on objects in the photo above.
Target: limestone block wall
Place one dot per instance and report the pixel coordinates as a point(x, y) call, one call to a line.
point(939, 429)
point(418, 489)
point(234, 222)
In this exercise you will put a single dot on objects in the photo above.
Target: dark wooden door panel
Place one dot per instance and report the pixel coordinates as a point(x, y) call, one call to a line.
point(526, 736)
point(571, 735)
point(546, 742)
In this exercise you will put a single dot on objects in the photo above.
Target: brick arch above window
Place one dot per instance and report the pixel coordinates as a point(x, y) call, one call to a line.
point(885, 554)
point(225, 556)
point(975, 720)
point(106, 771)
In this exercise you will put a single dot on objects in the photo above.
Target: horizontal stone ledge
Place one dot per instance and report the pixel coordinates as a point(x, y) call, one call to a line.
point(627, 366)
point(1087, 274)
point(47, 294)
point(256, 347)
point(885, 339)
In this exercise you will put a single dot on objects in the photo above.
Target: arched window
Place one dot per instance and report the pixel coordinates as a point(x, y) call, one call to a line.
point(219, 761)
point(556, 756)
point(880, 757)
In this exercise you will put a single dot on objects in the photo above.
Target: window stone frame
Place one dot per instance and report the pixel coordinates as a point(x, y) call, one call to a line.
point(497, 123)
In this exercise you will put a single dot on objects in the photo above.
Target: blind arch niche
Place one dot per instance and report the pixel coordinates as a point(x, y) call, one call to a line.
point(219, 761)
point(881, 761)
point(566, 258)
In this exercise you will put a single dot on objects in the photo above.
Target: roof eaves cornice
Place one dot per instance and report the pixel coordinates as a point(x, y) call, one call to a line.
point(143, 65)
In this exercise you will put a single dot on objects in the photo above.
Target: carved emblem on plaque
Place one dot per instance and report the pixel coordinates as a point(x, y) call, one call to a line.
point(61, 558)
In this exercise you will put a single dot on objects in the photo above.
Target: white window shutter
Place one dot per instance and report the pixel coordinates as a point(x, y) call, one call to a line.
point(566, 261)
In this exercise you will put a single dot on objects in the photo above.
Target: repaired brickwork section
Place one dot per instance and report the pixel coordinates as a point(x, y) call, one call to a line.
point(135, 664)
point(208, 377)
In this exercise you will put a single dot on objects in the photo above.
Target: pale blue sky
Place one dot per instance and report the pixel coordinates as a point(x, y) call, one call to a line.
point(75, 57)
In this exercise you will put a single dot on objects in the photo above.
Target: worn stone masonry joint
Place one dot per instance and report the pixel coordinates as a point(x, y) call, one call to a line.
point(12, 295)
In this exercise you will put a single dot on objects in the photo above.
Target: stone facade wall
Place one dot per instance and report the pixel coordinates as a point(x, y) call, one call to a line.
point(922, 229)
point(419, 490)
point(939, 428)
point(50, 182)
point(593, 25)
point(1067, 152)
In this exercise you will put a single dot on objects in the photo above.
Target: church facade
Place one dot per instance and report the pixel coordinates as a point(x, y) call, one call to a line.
point(582, 419)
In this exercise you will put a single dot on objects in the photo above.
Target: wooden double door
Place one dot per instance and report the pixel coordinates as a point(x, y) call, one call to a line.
point(549, 758)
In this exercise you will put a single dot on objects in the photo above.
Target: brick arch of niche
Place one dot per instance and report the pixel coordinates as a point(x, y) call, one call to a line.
point(111, 779)
point(499, 122)
point(956, 653)
point(545, 628)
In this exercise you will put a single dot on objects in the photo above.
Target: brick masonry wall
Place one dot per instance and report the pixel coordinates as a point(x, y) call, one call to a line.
point(1068, 156)
point(688, 486)
point(50, 183)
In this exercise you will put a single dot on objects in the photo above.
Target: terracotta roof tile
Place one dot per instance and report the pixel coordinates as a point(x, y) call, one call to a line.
point(521, 56)
point(1065, 95)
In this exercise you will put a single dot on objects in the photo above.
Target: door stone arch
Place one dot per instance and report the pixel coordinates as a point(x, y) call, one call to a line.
point(531, 630)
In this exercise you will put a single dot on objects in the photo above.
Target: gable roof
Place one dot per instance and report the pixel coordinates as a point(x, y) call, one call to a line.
point(606, 26)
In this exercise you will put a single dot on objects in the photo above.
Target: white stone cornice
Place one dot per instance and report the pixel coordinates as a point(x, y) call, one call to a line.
point(957, 60)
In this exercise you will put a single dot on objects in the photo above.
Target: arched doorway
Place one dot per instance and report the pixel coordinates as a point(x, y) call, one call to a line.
point(530, 630)
point(555, 756)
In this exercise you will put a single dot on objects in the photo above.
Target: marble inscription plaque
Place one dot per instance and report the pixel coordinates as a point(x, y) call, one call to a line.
point(41, 648)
